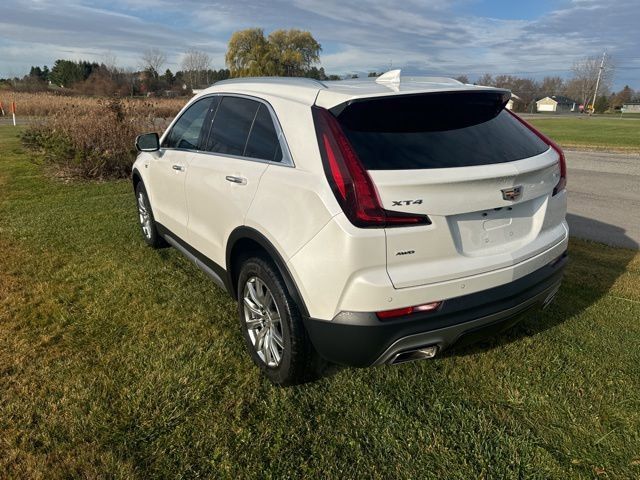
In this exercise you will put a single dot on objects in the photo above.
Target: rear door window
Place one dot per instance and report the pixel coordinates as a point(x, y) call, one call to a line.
point(231, 125)
point(442, 130)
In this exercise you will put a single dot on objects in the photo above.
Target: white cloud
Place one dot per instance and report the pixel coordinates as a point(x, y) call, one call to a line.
point(425, 35)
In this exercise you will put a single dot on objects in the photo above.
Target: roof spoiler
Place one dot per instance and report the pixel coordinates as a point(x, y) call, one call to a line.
point(392, 76)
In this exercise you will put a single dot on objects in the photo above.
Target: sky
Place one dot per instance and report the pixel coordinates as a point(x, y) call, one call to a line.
point(531, 38)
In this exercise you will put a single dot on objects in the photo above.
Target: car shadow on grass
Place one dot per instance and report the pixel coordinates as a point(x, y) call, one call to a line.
point(591, 272)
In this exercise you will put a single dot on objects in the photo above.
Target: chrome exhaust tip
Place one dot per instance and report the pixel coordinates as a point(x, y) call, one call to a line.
point(422, 353)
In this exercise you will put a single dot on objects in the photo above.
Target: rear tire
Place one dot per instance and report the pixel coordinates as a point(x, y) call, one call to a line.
point(147, 220)
point(272, 325)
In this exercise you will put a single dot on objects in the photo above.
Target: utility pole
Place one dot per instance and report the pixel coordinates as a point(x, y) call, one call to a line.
point(595, 94)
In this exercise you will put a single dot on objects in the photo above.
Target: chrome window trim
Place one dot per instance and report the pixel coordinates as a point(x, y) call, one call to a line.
point(287, 159)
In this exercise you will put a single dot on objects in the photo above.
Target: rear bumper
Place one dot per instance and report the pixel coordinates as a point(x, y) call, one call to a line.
point(360, 339)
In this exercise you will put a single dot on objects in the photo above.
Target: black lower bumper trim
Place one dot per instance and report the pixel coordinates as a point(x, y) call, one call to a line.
point(360, 339)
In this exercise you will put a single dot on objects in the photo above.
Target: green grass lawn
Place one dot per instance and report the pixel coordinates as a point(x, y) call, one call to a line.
point(118, 361)
point(592, 132)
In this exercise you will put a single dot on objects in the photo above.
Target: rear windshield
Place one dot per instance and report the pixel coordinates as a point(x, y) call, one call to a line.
point(436, 131)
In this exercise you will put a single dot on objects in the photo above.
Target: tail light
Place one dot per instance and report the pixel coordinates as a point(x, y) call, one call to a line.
point(562, 183)
point(350, 182)
point(401, 312)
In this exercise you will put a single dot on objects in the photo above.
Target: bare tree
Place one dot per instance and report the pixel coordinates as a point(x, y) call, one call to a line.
point(131, 79)
point(486, 79)
point(551, 86)
point(525, 88)
point(152, 60)
point(110, 61)
point(196, 66)
point(582, 85)
point(623, 96)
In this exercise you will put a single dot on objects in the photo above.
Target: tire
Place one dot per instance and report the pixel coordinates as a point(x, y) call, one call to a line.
point(147, 221)
point(284, 353)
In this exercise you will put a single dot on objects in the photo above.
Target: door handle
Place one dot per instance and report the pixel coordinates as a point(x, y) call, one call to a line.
point(239, 180)
point(179, 168)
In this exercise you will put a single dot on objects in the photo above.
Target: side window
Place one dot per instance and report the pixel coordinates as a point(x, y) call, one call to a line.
point(208, 121)
point(186, 131)
point(231, 125)
point(263, 140)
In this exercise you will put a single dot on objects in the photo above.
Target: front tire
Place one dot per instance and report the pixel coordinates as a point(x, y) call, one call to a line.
point(146, 219)
point(272, 325)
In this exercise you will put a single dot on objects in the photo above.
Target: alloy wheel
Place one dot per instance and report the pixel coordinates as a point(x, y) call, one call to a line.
point(145, 217)
point(263, 321)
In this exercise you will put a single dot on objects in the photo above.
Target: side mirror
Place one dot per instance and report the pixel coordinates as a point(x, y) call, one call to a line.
point(149, 142)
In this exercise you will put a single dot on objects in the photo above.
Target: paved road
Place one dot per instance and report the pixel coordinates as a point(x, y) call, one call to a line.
point(604, 197)
point(8, 120)
point(161, 123)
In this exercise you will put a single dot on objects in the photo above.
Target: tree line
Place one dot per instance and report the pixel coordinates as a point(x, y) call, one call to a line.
point(579, 87)
point(92, 78)
point(292, 53)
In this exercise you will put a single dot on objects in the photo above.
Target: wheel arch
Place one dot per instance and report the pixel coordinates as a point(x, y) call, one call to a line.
point(136, 178)
point(244, 241)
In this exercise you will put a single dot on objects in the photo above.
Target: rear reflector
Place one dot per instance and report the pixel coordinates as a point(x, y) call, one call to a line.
point(401, 312)
point(351, 184)
point(562, 183)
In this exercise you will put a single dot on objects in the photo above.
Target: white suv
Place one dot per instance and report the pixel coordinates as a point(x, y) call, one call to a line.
point(362, 222)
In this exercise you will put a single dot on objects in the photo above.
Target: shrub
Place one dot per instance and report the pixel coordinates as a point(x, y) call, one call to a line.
point(93, 140)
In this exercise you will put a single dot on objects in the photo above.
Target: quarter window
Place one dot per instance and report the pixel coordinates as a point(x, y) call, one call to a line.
point(263, 140)
point(186, 132)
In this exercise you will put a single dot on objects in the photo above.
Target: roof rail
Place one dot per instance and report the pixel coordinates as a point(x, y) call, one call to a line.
point(275, 80)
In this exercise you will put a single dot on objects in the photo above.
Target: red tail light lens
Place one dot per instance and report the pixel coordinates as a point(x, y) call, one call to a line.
point(401, 312)
point(562, 183)
point(350, 181)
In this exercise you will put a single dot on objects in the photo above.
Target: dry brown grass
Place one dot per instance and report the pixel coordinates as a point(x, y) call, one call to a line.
point(45, 104)
point(89, 137)
point(92, 138)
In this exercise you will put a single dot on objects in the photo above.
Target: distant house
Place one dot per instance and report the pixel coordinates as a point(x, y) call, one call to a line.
point(631, 107)
point(556, 103)
point(512, 101)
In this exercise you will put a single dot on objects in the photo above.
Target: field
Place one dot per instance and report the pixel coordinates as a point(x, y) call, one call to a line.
point(603, 133)
point(47, 104)
point(117, 361)
point(92, 138)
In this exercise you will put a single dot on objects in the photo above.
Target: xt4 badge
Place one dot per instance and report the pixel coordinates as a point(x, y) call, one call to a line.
point(404, 203)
